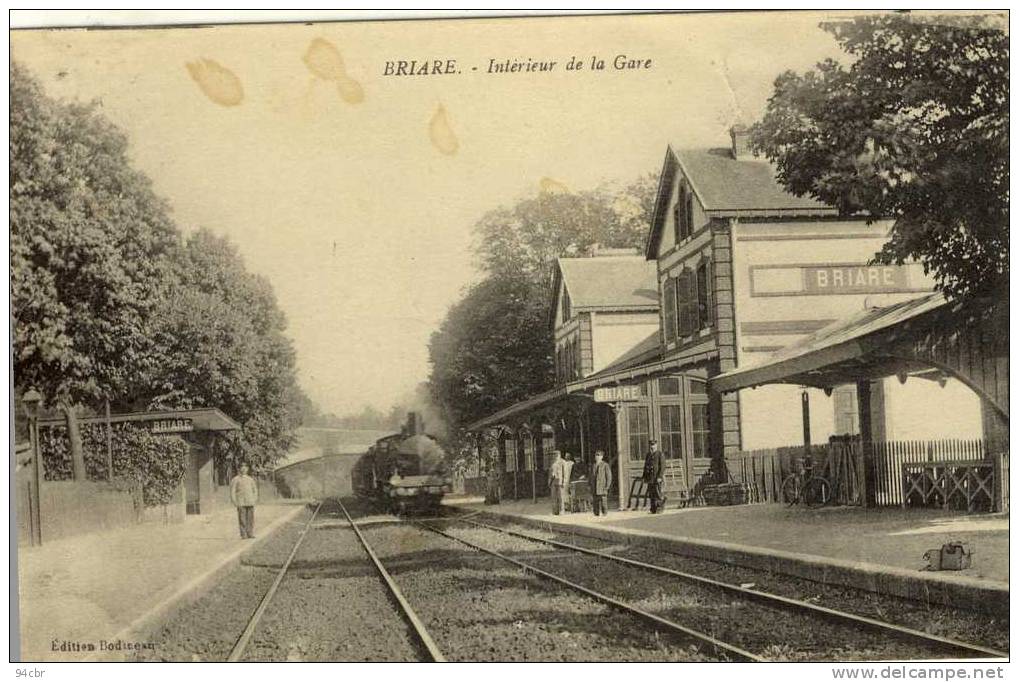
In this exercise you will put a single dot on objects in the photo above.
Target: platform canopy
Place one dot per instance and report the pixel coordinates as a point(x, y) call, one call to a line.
point(633, 368)
point(864, 346)
point(199, 419)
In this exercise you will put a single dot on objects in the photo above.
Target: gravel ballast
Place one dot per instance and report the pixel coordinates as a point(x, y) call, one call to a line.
point(330, 606)
point(770, 632)
point(333, 606)
point(480, 608)
point(934, 619)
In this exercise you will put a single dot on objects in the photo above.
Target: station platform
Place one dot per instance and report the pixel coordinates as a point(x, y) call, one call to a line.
point(877, 549)
point(114, 586)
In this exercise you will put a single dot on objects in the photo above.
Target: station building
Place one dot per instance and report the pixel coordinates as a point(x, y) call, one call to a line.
point(735, 269)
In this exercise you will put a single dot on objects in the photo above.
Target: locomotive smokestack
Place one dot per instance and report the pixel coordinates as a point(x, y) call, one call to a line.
point(415, 424)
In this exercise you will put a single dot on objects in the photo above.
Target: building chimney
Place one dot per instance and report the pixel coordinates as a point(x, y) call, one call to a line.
point(740, 135)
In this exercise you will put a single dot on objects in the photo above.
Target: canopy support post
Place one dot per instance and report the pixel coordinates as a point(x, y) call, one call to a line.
point(805, 408)
point(866, 442)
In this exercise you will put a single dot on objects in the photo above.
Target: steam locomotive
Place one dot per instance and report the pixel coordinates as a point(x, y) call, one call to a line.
point(404, 471)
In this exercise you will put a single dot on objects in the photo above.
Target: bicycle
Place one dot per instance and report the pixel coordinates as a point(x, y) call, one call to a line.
point(805, 487)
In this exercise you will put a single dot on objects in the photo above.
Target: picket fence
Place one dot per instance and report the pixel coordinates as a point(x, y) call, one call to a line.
point(763, 471)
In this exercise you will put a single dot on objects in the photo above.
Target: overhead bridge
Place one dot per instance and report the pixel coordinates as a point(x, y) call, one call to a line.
point(321, 463)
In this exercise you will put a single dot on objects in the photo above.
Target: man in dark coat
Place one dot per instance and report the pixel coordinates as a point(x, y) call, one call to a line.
point(654, 477)
point(601, 481)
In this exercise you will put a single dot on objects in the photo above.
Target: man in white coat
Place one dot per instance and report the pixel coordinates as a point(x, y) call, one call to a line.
point(244, 495)
point(558, 479)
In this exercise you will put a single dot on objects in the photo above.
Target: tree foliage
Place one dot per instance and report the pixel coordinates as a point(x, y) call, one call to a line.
point(495, 345)
point(91, 248)
point(222, 344)
point(914, 128)
point(524, 240)
point(493, 348)
point(110, 302)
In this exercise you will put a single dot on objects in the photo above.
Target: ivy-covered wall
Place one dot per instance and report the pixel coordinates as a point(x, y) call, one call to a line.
point(155, 462)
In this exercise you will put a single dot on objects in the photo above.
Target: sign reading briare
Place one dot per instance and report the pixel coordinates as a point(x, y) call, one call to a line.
point(812, 280)
point(172, 426)
point(855, 279)
point(614, 394)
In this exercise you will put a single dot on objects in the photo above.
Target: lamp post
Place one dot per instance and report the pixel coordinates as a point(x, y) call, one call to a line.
point(31, 401)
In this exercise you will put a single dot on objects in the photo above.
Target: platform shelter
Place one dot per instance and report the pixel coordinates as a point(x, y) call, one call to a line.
point(926, 338)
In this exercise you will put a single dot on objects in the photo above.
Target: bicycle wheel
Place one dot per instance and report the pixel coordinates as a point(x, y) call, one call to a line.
point(791, 489)
point(817, 492)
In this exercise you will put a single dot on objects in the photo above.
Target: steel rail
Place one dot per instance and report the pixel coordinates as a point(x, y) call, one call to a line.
point(237, 652)
point(842, 617)
point(408, 611)
point(719, 645)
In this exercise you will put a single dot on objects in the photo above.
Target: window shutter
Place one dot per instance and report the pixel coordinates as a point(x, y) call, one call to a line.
point(669, 308)
point(680, 295)
point(704, 295)
point(677, 218)
point(683, 304)
point(688, 214)
point(682, 226)
point(694, 307)
point(574, 360)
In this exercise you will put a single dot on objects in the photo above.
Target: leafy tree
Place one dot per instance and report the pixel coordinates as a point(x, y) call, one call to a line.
point(915, 128)
point(91, 251)
point(524, 240)
point(493, 348)
point(495, 345)
point(222, 344)
point(110, 305)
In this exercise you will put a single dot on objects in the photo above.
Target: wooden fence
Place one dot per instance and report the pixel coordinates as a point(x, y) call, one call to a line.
point(763, 471)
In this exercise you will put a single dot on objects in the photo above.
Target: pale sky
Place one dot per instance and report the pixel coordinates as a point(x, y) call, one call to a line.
point(325, 174)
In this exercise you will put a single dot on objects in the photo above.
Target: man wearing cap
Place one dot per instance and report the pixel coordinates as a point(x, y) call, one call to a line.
point(654, 477)
point(601, 482)
point(558, 478)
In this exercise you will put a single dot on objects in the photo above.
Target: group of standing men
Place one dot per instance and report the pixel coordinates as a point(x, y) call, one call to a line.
point(601, 480)
point(559, 479)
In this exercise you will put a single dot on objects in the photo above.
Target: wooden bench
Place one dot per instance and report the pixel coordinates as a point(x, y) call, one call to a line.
point(675, 488)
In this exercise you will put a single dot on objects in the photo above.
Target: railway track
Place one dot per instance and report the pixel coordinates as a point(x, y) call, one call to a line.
point(728, 650)
point(241, 645)
point(935, 643)
point(426, 642)
point(420, 632)
point(584, 580)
